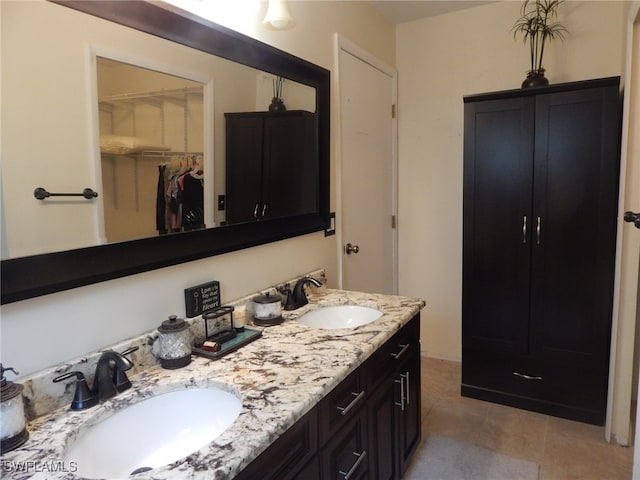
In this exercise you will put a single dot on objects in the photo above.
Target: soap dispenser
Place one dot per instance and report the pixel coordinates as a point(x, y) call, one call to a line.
point(13, 428)
point(173, 346)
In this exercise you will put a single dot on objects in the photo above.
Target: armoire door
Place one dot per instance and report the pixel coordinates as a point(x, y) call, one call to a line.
point(244, 152)
point(290, 166)
point(575, 208)
point(498, 172)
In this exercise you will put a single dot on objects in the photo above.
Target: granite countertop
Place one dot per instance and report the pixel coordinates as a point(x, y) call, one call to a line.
point(278, 377)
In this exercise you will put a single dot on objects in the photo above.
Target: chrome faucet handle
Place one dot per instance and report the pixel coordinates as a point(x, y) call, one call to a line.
point(83, 397)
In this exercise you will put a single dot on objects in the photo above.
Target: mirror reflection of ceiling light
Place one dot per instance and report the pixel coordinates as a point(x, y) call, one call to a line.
point(278, 16)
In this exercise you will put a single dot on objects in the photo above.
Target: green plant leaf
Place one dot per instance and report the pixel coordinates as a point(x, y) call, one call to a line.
point(536, 27)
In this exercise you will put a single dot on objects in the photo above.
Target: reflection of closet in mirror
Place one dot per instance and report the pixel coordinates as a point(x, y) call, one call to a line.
point(151, 144)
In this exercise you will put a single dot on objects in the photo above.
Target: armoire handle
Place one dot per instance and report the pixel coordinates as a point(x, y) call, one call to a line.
point(524, 229)
point(538, 230)
point(527, 377)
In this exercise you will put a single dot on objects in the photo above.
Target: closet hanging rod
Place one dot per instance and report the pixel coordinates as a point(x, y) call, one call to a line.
point(163, 154)
point(41, 193)
point(151, 153)
point(155, 93)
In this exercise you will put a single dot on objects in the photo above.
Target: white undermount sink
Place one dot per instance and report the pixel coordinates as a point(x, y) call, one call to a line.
point(153, 433)
point(340, 316)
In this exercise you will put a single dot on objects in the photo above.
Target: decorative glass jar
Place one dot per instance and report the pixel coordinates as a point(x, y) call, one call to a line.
point(173, 346)
point(13, 427)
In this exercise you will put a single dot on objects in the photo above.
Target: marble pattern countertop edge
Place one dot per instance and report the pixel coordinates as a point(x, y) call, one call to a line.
point(279, 378)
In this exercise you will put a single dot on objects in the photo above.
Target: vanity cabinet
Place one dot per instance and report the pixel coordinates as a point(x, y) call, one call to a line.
point(292, 455)
point(271, 165)
point(340, 405)
point(394, 407)
point(367, 427)
point(541, 172)
point(345, 456)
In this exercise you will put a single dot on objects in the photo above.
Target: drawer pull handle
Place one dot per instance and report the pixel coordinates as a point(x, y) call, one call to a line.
point(526, 377)
point(354, 402)
point(401, 352)
point(356, 464)
point(402, 396)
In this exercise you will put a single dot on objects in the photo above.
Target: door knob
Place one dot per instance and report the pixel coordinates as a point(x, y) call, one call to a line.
point(349, 249)
point(632, 218)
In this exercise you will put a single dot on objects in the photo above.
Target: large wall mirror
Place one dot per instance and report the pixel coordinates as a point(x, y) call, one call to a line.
point(167, 116)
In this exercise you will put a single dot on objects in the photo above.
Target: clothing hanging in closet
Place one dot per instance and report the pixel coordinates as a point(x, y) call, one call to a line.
point(180, 196)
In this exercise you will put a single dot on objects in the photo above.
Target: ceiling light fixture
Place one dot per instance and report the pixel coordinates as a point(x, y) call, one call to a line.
point(278, 16)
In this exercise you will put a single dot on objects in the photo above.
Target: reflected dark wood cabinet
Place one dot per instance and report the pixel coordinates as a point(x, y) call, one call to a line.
point(367, 427)
point(271, 165)
point(541, 170)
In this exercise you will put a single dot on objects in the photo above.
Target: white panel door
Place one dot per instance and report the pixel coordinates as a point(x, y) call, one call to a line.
point(367, 176)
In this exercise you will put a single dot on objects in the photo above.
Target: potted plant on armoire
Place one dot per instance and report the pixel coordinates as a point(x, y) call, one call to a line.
point(538, 26)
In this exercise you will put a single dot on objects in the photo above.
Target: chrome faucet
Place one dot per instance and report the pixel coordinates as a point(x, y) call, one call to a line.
point(110, 377)
point(298, 296)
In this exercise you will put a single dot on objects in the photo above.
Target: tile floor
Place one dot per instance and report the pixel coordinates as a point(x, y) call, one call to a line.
point(565, 450)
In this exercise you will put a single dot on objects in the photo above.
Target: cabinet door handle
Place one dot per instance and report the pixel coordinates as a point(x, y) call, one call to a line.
point(524, 229)
point(404, 348)
point(264, 209)
point(353, 403)
point(406, 377)
point(538, 230)
point(401, 382)
point(527, 377)
point(255, 211)
point(360, 458)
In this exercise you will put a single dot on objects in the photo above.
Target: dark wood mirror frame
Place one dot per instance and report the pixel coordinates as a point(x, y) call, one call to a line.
point(33, 276)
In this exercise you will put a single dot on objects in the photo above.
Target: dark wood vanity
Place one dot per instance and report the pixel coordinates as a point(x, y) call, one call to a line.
point(368, 426)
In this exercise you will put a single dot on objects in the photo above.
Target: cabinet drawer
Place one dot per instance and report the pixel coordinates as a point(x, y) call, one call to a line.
point(387, 358)
point(345, 456)
point(341, 404)
point(287, 455)
point(311, 471)
point(571, 391)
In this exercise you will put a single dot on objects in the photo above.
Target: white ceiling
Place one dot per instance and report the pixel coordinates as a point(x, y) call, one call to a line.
point(401, 11)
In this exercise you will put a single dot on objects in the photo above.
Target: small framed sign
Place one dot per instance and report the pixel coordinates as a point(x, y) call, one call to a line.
point(202, 298)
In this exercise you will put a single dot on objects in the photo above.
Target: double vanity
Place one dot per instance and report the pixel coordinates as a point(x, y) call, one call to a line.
point(310, 399)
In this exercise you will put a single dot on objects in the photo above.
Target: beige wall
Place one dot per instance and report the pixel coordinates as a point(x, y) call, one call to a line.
point(440, 60)
point(50, 329)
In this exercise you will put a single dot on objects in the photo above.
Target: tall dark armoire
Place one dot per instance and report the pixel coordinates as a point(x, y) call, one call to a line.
point(541, 170)
point(271, 165)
